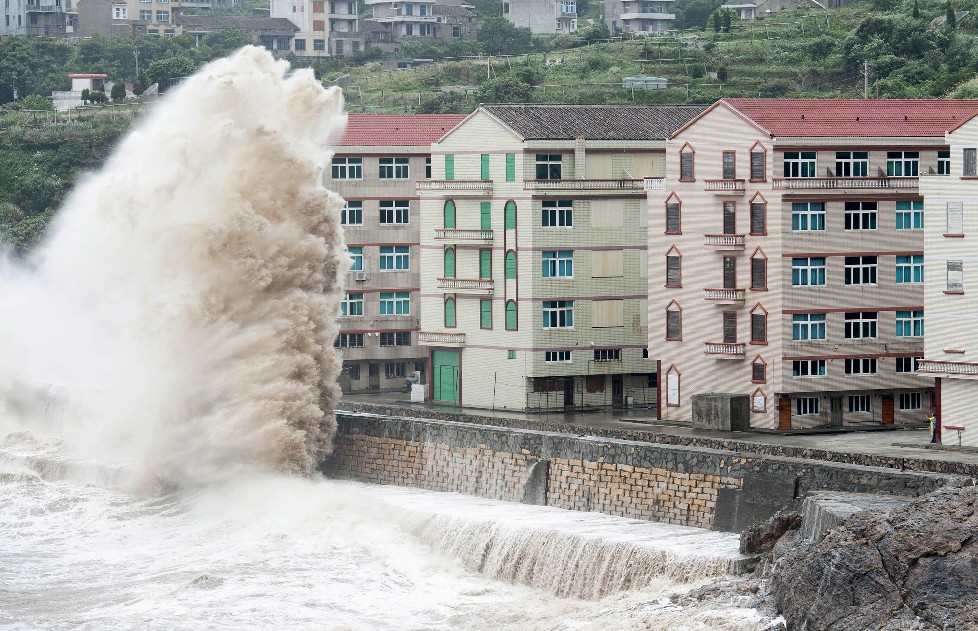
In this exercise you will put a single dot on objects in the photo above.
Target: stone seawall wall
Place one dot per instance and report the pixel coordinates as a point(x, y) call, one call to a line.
point(677, 484)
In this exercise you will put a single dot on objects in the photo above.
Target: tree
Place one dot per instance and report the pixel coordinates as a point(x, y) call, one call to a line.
point(722, 74)
point(86, 96)
point(118, 93)
point(98, 96)
point(821, 47)
point(916, 9)
point(167, 71)
point(695, 13)
point(950, 20)
point(596, 32)
point(499, 36)
point(226, 41)
point(141, 83)
point(504, 89)
point(36, 102)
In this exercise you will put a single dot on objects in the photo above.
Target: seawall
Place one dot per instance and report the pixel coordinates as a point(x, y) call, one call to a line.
point(710, 487)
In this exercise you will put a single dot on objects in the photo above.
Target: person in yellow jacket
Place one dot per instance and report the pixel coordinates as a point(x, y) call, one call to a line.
point(933, 428)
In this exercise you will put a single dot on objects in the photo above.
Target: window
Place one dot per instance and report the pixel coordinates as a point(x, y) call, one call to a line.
point(449, 214)
point(510, 167)
point(393, 169)
point(319, 44)
point(808, 271)
point(395, 338)
point(909, 400)
point(729, 326)
point(806, 216)
point(347, 168)
point(955, 218)
point(353, 370)
point(356, 254)
point(146, 16)
point(607, 313)
point(162, 16)
point(485, 263)
point(120, 12)
point(510, 354)
point(351, 305)
point(509, 215)
point(910, 323)
point(969, 164)
point(955, 276)
point(860, 403)
point(352, 213)
point(395, 257)
point(319, 25)
point(758, 217)
point(758, 326)
point(910, 269)
point(808, 368)
point(607, 354)
point(456, 31)
point(757, 165)
point(548, 166)
point(425, 30)
point(427, 168)
point(512, 323)
point(807, 406)
point(860, 270)
point(729, 165)
point(449, 313)
point(348, 340)
point(558, 263)
point(909, 215)
point(449, 167)
point(729, 272)
point(409, 27)
point(758, 371)
point(510, 265)
point(395, 303)
point(485, 215)
point(558, 314)
point(485, 314)
point(674, 269)
point(799, 163)
point(860, 324)
point(484, 166)
point(851, 163)
point(686, 173)
point(395, 211)
point(944, 163)
point(557, 356)
point(505, 8)
point(729, 217)
point(902, 163)
point(860, 215)
point(672, 386)
point(449, 263)
point(808, 326)
point(758, 401)
point(300, 46)
point(907, 364)
point(674, 321)
point(861, 366)
point(758, 271)
point(558, 213)
point(673, 214)
point(394, 370)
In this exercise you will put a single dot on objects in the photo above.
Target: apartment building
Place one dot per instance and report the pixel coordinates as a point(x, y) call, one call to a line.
point(42, 18)
point(326, 27)
point(950, 269)
point(377, 162)
point(533, 285)
point(786, 258)
point(542, 16)
point(421, 21)
point(642, 17)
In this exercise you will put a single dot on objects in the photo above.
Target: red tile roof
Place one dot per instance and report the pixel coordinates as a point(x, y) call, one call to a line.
point(396, 130)
point(911, 118)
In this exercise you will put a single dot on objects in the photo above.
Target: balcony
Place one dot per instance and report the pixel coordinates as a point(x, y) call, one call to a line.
point(648, 16)
point(724, 242)
point(722, 350)
point(725, 187)
point(947, 368)
point(836, 184)
point(564, 187)
point(725, 296)
point(455, 187)
point(455, 235)
point(655, 183)
point(475, 285)
point(438, 338)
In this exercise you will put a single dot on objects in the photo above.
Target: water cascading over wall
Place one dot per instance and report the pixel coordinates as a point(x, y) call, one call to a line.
point(183, 308)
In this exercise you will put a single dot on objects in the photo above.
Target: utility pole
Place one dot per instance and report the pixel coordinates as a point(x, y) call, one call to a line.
point(866, 79)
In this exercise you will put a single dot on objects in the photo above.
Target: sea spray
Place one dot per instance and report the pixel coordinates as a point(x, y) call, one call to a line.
point(181, 314)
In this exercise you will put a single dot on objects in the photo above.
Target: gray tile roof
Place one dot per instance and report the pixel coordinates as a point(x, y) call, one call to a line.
point(594, 122)
point(218, 22)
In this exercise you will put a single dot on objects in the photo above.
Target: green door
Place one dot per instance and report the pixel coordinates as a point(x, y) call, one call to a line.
point(445, 375)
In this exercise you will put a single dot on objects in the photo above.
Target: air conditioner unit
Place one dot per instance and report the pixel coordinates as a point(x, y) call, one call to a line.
point(360, 276)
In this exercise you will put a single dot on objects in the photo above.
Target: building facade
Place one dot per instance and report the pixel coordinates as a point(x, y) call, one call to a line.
point(642, 17)
point(542, 16)
point(375, 168)
point(950, 268)
point(41, 18)
point(533, 285)
point(419, 21)
point(326, 27)
point(786, 258)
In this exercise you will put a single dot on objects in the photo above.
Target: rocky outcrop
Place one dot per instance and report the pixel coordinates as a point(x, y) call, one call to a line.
point(762, 537)
point(913, 568)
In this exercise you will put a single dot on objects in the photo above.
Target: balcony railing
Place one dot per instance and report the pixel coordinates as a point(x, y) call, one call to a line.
point(459, 234)
point(832, 183)
point(726, 296)
point(734, 187)
point(584, 185)
point(464, 284)
point(725, 241)
point(723, 350)
point(655, 183)
point(438, 337)
point(476, 186)
point(947, 368)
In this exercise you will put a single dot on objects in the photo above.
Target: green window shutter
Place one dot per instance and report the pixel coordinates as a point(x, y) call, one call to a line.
point(449, 167)
point(510, 167)
point(510, 354)
point(485, 264)
point(484, 166)
point(449, 214)
point(511, 315)
point(511, 265)
point(510, 212)
point(485, 209)
point(449, 313)
point(449, 263)
point(485, 310)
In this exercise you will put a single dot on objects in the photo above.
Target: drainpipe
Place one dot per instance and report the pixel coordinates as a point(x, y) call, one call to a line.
point(579, 159)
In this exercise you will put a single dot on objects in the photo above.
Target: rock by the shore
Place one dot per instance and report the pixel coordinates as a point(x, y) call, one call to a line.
point(914, 568)
point(762, 537)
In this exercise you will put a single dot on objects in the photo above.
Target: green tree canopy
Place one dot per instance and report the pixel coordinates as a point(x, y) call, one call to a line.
point(118, 93)
point(166, 71)
point(499, 36)
point(36, 102)
point(504, 89)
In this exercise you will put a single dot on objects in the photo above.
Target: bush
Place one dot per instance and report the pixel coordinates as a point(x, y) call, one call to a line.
point(36, 102)
point(118, 93)
point(775, 89)
point(504, 89)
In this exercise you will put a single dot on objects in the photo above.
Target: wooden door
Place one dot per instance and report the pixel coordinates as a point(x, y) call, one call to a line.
point(888, 409)
point(784, 412)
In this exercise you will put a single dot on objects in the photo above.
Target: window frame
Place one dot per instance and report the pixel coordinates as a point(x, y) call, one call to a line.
point(860, 270)
point(852, 165)
point(676, 308)
point(860, 325)
point(550, 165)
point(354, 207)
point(351, 305)
point(394, 212)
point(800, 366)
point(558, 314)
point(814, 212)
point(861, 215)
point(557, 213)
point(391, 260)
point(346, 168)
point(902, 161)
point(811, 327)
point(911, 218)
point(813, 274)
point(392, 302)
point(910, 323)
point(356, 258)
point(909, 269)
point(800, 164)
point(557, 264)
point(393, 168)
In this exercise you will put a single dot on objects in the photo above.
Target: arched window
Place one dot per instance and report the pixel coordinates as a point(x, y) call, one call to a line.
point(449, 263)
point(758, 401)
point(672, 386)
point(758, 163)
point(511, 321)
point(758, 270)
point(758, 215)
point(509, 212)
point(686, 170)
point(511, 265)
point(758, 370)
point(758, 325)
point(674, 321)
point(449, 214)
point(674, 267)
point(674, 213)
point(449, 312)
